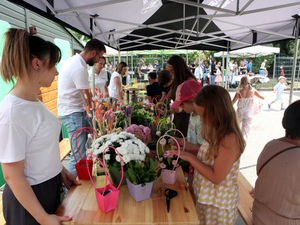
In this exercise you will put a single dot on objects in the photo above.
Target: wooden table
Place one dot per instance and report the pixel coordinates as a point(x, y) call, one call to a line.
point(80, 202)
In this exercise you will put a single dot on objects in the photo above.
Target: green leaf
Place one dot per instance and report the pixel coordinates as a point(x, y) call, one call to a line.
point(169, 160)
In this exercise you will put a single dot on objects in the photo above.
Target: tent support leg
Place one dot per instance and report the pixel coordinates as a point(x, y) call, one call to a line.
point(295, 59)
point(274, 70)
point(222, 72)
point(298, 76)
point(227, 67)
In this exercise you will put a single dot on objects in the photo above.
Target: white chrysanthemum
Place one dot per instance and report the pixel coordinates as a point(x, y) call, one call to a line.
point(108, 143)
point(122, 151)
point(117, 158)
point(142, 158)
point(126, 159)
point(124, 145)
point(147, 150)
point(136, 151)
point(114, 138)
point(107, 156)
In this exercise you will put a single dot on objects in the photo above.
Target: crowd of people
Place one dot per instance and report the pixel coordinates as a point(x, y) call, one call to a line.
point(216, 134)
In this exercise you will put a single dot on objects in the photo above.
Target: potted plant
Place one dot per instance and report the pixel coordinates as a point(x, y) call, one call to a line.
point(140, 179)
point(129, 147)
point(169, 165)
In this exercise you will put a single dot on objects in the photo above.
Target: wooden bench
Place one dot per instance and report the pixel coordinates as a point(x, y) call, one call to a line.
point(246, 200)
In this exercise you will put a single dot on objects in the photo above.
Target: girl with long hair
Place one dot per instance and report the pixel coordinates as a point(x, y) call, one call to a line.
point(115, 88)
point(217, 162)
point(180, 71)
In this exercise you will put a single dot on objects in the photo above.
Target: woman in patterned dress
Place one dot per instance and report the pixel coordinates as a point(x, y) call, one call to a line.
point(217, 162)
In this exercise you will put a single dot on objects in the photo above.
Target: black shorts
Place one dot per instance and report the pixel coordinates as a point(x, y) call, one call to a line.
point(48, 194)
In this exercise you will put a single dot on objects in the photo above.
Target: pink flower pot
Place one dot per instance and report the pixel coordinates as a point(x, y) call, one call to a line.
point(169, 176)
point(139, 193)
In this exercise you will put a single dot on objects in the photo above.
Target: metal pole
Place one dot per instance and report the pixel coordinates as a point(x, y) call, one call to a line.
point(298, 77)
point(295, 59)
point(274, 70)
point(187, 57)
point(223, 69)
point(227, 69)
point(119, 56)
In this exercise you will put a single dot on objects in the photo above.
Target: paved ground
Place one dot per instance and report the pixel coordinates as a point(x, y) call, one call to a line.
point(266, 126)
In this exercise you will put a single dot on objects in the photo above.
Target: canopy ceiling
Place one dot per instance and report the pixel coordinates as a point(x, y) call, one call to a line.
point(174, 24)
point(250, 52)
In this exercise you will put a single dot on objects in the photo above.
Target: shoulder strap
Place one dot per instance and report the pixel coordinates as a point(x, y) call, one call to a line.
point(278, 153)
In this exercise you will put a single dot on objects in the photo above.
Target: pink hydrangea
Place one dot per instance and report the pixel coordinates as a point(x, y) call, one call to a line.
point(141, 127)
point(134, 127)
point(147, 131)
point(130, 130)
point(167, 154)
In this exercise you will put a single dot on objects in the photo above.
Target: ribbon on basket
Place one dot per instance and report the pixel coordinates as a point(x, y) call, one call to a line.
point(82, 165)
point(107, 196)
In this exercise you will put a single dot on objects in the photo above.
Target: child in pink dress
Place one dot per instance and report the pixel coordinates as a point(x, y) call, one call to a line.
point(218, 77)
point(245, 94)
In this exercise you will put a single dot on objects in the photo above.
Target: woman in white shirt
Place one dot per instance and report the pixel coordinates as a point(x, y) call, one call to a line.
point(263, 68)
point(115, 87)
point(29, 133)
point(100, 76)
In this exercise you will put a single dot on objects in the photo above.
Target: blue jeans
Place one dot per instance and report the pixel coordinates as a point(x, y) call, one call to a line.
point(74, 122)
point(212, 79)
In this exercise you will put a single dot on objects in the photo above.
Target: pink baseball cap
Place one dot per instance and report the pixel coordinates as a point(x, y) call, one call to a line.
point(186, 91)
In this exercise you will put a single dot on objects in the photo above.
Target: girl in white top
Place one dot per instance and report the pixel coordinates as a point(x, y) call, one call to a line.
point(115, 87)
point(100, 76)
point(29, 133)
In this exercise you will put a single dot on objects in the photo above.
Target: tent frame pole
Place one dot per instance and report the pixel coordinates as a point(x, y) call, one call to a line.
point(222, 72)
point(295, 58)
point(274, 70)
point(227, 67)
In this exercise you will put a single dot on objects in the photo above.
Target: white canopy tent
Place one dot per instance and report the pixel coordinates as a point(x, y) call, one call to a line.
point(177, 24)
point(250, 52)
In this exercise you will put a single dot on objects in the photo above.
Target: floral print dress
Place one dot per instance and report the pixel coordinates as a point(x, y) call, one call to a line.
point(216, 204)
point(245, 114)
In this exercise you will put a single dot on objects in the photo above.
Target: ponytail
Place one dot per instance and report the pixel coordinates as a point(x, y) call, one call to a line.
point(19, 49)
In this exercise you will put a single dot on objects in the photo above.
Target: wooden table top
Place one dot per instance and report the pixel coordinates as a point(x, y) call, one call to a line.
point(81, 203)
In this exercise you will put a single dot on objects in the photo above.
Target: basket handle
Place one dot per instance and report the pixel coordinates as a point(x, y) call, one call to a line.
point(181, 135)
point(120, 163)
point(89, 170)
point(158, 112)
point(163, 121)
point(76, 132)
point(166, 135)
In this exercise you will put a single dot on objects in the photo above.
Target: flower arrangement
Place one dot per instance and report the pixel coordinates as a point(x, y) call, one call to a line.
point(168, 161)
point(129, 147)
point(144, 132)
point(138, 174)
point(142, 117)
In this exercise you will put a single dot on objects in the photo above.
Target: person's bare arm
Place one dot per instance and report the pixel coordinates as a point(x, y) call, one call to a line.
point(87, 98)
point(228, 153)
point(236, 97)
point(15, 178)
point(256, 93)
point(118, 87)
point(148, 98)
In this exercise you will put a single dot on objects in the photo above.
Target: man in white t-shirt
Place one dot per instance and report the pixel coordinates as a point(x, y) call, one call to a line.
point(73, 93)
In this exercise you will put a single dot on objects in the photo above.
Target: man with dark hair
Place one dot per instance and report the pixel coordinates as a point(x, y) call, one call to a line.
point(73, 93)
point(153, 89)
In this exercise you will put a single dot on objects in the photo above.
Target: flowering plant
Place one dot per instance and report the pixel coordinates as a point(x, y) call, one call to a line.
point(167, 161)
point(143, 131)
point(129, 147)
point(138, 174)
